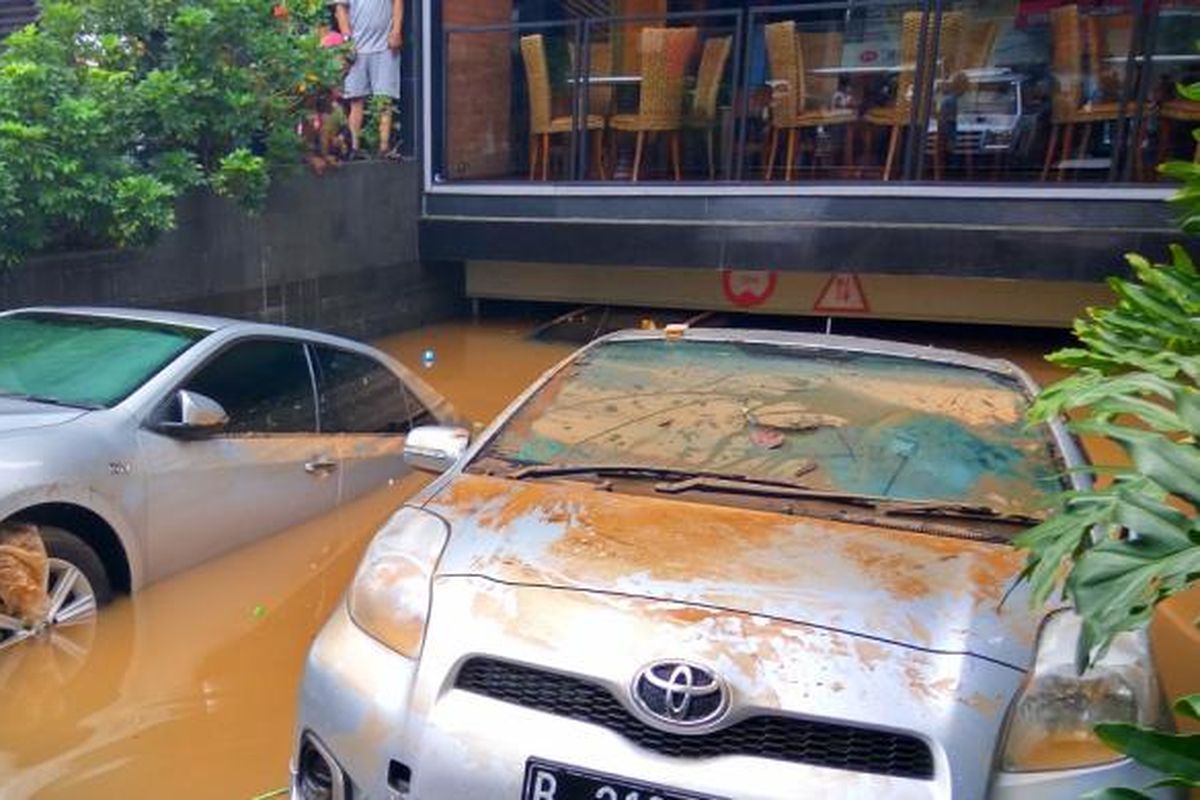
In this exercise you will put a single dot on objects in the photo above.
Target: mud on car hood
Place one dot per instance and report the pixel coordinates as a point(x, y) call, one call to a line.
point(932, 593)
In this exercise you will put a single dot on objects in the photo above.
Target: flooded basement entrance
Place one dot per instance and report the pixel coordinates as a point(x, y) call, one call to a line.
point(189, 689)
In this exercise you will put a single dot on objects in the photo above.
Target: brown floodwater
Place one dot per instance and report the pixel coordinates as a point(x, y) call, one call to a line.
point(188, 689)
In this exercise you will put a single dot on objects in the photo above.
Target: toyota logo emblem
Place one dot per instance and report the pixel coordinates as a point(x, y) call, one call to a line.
point(680, 693)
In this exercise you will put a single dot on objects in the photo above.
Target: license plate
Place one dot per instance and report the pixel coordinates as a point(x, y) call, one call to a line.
point(548, 781)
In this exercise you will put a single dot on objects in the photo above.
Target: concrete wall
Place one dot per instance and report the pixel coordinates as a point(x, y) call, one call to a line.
point(336, 253)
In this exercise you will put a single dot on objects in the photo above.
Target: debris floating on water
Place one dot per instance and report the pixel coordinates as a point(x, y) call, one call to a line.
point(428, 358)
point(259, 611)
point(23, 572)
point(270, 794)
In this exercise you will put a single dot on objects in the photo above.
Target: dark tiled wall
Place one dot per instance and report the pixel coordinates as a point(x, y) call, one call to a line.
point(16, 14)
point(337, 253)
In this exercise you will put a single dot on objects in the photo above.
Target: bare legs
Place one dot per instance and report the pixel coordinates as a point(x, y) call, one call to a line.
point(385, 128)
point(358, 110)
point(358, 107)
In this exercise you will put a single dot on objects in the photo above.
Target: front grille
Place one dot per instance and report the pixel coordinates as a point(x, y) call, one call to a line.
point(774, 737)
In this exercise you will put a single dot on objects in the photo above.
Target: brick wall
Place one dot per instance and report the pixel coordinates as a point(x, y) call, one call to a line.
point(629, 34)
point(480, 131)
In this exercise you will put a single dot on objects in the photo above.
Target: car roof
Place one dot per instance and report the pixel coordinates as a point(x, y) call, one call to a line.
point(432, 400)
point(822, 341)
point(202, 322)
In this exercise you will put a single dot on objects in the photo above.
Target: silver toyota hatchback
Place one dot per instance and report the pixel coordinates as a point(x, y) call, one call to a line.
point(141, 443)
point(704, 564)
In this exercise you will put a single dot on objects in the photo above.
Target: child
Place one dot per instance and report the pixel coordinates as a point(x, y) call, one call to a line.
point(323, 128)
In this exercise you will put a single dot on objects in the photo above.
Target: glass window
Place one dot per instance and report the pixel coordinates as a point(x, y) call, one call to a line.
point(750, 90)
point(1176, 60)
point(265, 386)
point(359, 395)
point(832, 420)
point(84, 361)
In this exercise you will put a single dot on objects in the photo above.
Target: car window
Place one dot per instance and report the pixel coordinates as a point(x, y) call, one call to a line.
point(360, 395)
point(834, 420)
point(83, 360)
point(264, 385)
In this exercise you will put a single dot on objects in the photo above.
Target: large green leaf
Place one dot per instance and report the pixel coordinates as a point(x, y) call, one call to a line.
point(1056, 539)
point(1187, 405)
point(1177, 756)
point(1188, 706)
point(1173, 466)
point(1152, 414)
point(1162, 529)
point(1116, 584)
point(1116, 793)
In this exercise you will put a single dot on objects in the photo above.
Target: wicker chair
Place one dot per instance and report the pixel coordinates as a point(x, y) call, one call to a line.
point(1069, 108)
point(791, 96)
point(703, 113)
point(898, 114)
point(542, 123)
point(664, 56)
point(818, 50)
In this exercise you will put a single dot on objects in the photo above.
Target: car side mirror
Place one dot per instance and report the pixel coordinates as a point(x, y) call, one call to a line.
point(198, 415)
point(435, 448)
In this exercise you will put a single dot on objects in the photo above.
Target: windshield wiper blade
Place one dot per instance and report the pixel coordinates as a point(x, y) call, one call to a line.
point(622, 470)
point(677, 475)
point(678, 481)
point(888, 506)
point(762, 486)
point(938, 508)
point(49, 401)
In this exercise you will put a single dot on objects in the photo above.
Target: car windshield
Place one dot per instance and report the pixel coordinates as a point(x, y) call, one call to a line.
point(77, 360)
point(878, 425)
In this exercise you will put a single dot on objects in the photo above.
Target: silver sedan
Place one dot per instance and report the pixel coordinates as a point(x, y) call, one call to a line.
point(140, 443)
point(707, 564)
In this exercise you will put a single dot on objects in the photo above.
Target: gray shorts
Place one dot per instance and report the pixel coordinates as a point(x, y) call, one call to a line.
point(374, 74)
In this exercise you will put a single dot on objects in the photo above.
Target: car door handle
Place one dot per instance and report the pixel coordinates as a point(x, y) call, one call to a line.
point(320, 466)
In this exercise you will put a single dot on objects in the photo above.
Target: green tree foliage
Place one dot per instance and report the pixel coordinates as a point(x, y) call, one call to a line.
point(1188, 172)
point(1118, 551)
point(110, 110)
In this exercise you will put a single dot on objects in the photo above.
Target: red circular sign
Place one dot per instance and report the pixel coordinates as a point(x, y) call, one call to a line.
point(747, 288)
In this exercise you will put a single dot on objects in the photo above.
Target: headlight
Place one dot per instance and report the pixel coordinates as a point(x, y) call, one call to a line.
point(389, 598)
point(1051, 723)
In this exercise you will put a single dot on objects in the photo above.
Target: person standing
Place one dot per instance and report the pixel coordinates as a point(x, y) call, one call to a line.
point(375, 31)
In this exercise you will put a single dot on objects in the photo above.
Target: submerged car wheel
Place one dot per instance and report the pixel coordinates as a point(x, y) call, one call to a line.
point(78, 585)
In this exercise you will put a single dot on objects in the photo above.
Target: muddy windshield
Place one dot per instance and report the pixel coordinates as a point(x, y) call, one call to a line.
point(844, 422)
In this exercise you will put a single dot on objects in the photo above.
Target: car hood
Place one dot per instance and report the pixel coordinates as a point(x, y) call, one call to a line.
point(20, 415)
point(932, 593)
